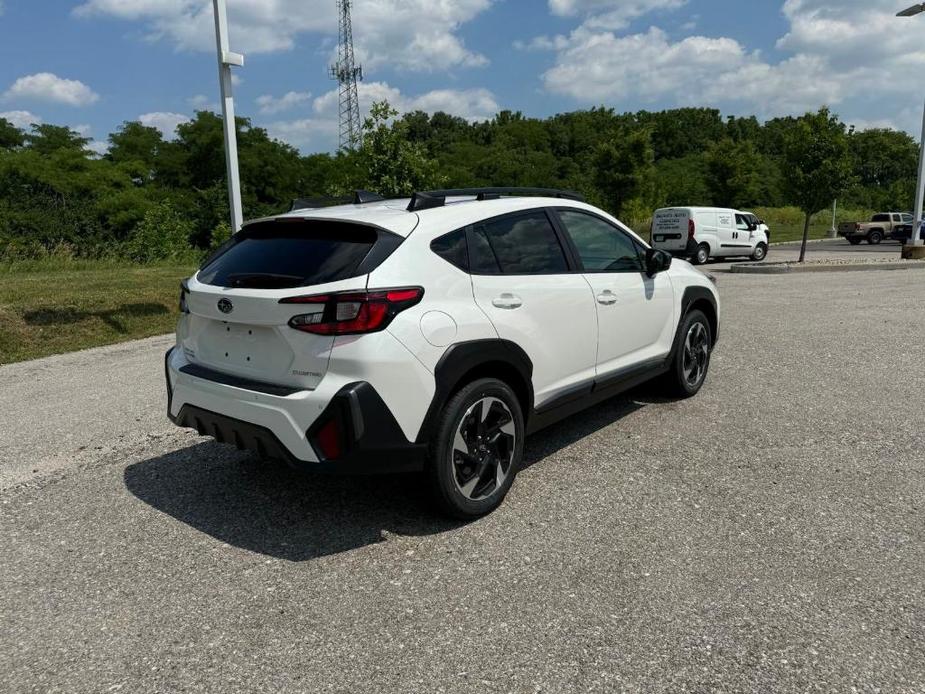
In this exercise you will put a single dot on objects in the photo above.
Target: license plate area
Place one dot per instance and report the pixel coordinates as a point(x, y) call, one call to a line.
point(241, 346)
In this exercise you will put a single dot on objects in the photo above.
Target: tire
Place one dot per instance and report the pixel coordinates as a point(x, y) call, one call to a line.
point(464, 484)
point(854, 241)
point(681, 381)
point(701, 255)
point(761, 252)
point(874, 238)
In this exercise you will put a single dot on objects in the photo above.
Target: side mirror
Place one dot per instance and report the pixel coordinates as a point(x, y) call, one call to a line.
point(752, 226)
point(657, 261)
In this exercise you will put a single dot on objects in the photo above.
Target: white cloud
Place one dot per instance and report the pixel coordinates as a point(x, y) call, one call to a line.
point(853, 56)
point(201, 102)
point(406, 34)
point(610, 14)
point(270, 104)
point(21, 119)
point(166, 122)
point(45, 86)
point(320, 131)
point(98, 147)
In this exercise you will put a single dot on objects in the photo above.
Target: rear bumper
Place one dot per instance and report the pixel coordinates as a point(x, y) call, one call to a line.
point(282, 427)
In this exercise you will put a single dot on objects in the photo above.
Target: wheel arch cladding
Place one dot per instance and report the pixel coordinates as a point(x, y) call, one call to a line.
point(465, 362)
point(701, 299)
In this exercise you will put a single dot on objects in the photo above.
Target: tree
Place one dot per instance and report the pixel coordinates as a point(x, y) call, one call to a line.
point(134, 142)
point(387, 162)
point(46, 139)
point(818, 162)
point(11, 137)
point(624, 167)
point(733, 173)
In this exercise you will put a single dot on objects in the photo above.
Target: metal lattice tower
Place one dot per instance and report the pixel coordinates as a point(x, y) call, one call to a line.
point(347, 73)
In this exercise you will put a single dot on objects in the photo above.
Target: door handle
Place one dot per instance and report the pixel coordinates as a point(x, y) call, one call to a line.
point(507, 300)
point(607, 298)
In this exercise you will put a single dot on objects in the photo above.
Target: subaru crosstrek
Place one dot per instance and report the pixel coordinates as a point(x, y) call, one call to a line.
point(430, 334)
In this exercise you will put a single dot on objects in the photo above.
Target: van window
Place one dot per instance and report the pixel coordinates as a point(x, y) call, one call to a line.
point(280, 254)
point(518, 244)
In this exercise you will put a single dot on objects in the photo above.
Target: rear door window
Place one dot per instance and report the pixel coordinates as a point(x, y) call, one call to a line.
point(279, 254)
point(518, 244)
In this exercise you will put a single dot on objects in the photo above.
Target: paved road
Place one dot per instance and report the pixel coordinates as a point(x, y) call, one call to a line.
point(768, 535)
point(829, 249)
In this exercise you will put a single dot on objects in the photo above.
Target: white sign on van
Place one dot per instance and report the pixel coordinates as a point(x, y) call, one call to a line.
point(669, 220)
point(724, 219)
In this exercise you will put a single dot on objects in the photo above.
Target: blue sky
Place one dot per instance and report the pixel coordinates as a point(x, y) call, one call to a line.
point(92, 64)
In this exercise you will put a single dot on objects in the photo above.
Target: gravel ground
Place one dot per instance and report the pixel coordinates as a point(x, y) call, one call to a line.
point(767, 535)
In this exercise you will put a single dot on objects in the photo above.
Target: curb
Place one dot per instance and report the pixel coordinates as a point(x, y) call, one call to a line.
point(785, 269)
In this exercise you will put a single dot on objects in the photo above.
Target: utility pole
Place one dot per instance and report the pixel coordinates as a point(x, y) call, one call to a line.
point(833, 232)
point(347, 73)
point(911, 249)
point(914, 237)
point(227, 59)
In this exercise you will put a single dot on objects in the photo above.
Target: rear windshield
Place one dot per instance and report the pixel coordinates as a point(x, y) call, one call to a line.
point(279, 254)
point(880, 218)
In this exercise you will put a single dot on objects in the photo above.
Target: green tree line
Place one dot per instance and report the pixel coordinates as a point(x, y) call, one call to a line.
point(149, 197)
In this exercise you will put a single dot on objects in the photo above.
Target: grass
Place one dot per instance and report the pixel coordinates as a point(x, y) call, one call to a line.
point(49, 307)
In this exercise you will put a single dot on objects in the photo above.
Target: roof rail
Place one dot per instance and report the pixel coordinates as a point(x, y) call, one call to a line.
point(359, 198)
point(491, 193)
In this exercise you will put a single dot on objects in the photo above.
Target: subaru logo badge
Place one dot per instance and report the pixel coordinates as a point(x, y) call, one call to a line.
point(225, 306)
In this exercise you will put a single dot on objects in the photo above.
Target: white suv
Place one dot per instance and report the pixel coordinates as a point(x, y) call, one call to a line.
point(430, 334)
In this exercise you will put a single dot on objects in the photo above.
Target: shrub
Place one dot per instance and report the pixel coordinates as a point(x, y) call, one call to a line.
point(161, 235)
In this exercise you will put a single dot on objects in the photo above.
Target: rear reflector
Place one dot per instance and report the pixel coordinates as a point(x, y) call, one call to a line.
point(329, 440)
point(353, 313)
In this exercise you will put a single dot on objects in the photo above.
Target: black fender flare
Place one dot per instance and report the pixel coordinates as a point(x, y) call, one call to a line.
point(470, 357)
point(694, 295)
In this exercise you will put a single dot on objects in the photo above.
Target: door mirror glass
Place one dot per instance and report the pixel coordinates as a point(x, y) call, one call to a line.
point(657, 261)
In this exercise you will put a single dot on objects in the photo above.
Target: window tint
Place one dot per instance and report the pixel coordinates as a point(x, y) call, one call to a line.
point(897, 218)
point(452, 248)
point(523, 244)
point(880, 218)
point(273, 255)
point(601, 246)
point(482, 259)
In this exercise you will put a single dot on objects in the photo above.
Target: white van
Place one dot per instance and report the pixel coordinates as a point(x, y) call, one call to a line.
point(700, 233)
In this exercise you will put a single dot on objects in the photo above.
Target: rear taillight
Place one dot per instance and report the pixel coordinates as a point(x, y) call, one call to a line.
point(353, 313)
point(691, 228)
point(857, 227)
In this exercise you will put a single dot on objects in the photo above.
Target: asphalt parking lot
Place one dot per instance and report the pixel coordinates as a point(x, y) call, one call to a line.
point(767, 535)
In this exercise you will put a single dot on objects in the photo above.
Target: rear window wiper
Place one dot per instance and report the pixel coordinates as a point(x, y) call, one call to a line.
point(264, 280)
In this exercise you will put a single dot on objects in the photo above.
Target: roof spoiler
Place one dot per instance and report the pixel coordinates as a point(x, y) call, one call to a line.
point(360, 197)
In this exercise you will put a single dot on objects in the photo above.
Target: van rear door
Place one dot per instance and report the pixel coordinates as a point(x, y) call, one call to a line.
point(670, 228)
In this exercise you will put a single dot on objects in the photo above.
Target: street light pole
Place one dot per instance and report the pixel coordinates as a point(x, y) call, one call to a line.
point(914, 237)
point(226, 59)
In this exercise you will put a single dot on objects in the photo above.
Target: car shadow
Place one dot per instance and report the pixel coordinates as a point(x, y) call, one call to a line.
point(267, 508)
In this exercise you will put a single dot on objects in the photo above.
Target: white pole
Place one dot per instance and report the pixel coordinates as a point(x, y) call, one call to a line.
point(914, 239)
point(833, 232)
point(225, 60)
